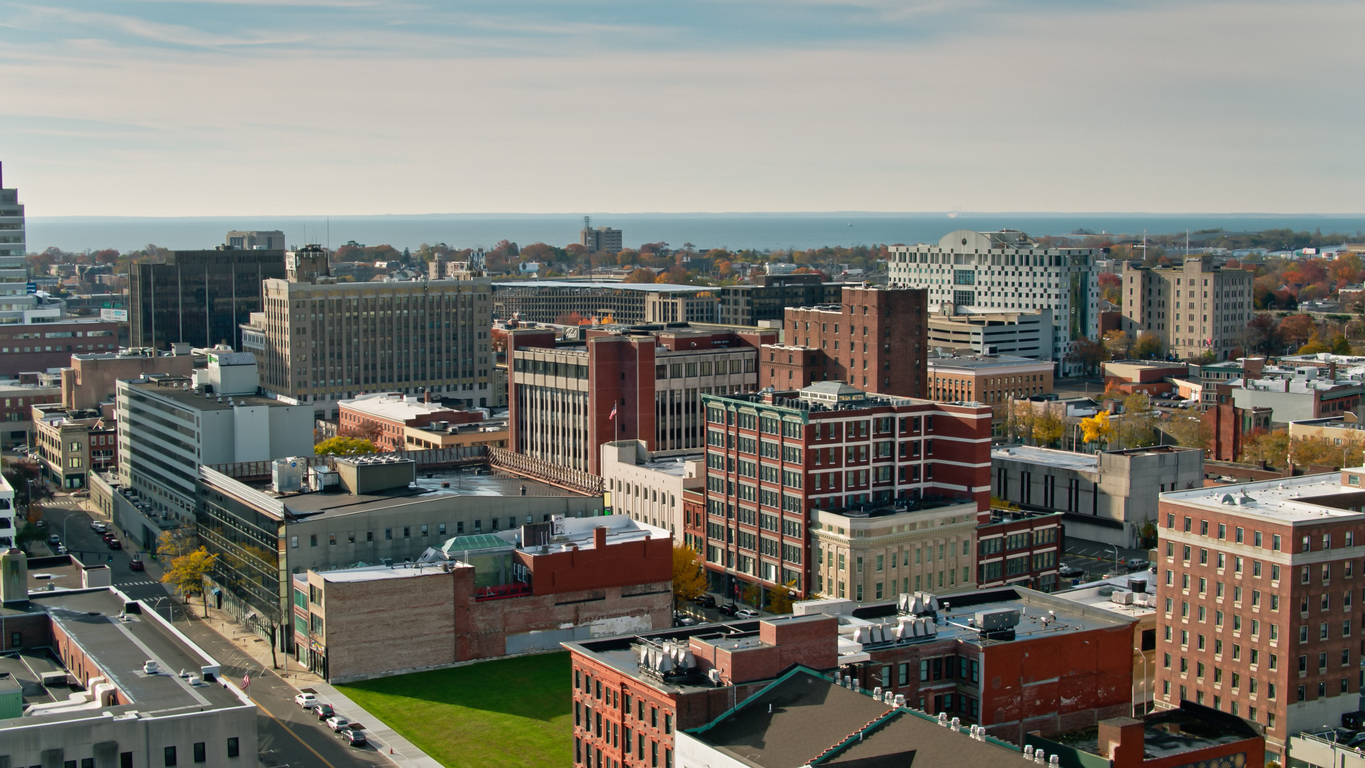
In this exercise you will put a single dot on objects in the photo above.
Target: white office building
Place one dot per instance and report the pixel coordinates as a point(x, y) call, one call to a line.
point(648, 485)
point(1007, 271)
point(13, 274)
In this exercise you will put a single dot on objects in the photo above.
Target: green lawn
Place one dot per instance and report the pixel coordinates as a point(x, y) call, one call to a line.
point(509, 712)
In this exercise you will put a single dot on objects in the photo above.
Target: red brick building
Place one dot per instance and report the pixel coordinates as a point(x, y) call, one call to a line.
point(876, 340)
point(40, 346)
point(388, 414)
point(483, 596)
point(624, 383)
point(1259, 600)
point(773, 458)
point(1044, 672)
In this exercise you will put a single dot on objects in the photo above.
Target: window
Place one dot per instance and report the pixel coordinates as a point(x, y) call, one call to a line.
point(200, 753)
point(170, 756)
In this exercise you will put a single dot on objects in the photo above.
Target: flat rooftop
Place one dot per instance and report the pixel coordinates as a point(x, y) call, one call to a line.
point(118, 647)
point(1086, 462)
point(805, 715)
point(1100, 594)
point(1307, 498)
point(984, 362)
point(600, 285)
point(672, 465)
point(1172, 732)
point(428, 486)
point(198, 401)
point(393, 406)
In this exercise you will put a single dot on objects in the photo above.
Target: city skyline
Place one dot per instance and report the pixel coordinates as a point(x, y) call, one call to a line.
point(350, 108)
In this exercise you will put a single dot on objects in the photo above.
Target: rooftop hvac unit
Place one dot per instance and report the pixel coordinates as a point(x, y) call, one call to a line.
point(1122, 598)
point(998, 619)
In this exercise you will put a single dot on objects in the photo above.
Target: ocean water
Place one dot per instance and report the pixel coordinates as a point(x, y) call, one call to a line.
point(705, 231)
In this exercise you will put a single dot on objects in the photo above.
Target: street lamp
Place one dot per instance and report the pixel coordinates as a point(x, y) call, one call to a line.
point(1116, 559)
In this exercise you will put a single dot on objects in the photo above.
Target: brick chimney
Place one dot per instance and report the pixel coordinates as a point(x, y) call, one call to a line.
point(599, 537)
point(1122, 741)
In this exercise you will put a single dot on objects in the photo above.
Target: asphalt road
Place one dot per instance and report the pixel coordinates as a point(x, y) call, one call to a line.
point(287, 735)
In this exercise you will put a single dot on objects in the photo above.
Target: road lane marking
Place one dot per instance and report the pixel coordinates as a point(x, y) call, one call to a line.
point(290, 731)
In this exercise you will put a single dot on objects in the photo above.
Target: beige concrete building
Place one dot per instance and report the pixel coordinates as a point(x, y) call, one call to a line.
point(648, 486)
point(71, 444)
point(491, 432)
point(323, 341)
point(878, 554)
point(1337, 430)
point(1193, 308)
point(93, 378)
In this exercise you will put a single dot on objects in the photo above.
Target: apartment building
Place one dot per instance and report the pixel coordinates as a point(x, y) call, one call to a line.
point(603, 239)
point(881, 348)
point(198, 297)
point(648, 486)
point(547, 301)
point(1195, 309)
point(1259, 586)
point(774, 458)
point(622, 383)
point(1023, 333)
point(320, 341)
point(995, 380)
point(1007, 271)
point(13, 269)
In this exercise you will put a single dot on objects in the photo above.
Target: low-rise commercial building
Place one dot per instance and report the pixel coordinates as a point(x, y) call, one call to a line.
point(1011, 660)
point(1019, 548)
point(490, 430)
point(16, 409)
point(487, 595)
point(1151, 378)
point(73, 443)
point(1110, 497)
point(1191, 735)
point(92, 378)
point(267, 520)
point(389, 415)
point(1346, 429)
point(50, 342)
point(95, 675)
point(648, 486)
point(1133, 596)
point(1297, 398)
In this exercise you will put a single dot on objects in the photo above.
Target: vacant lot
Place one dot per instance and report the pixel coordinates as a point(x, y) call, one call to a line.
point(512, 712)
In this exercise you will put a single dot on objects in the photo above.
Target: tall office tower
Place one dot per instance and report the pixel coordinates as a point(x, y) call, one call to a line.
point(1258, 588)
point(13, 273)
point(1007, 270)
point(601, 239)
point(874, 340)
point(861, 466)
point(1195, 308)
point(321, 341)
point(199, 297)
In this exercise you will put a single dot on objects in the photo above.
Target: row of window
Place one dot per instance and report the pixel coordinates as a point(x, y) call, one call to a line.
point(422, 530)
point(1239, 535)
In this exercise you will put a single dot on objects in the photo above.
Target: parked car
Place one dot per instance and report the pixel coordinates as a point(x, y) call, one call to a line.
point(746, 613)
point(41, 524)
point(683, 620)
point(115, 544)
point(338, 723)
point(82, 492)
point(729, 609)
point(54, 539)
point(136, 564)
point(354, 735)
point(109, 535)
point(323, 711)
point(99, 527)
point(1070, 572)
point(306, 700)
point(1137, 564)
point(61, 549)
point(705, 601)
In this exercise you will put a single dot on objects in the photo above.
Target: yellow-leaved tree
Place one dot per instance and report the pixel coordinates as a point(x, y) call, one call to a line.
point(689, 578)
point(1048, 428)
point(187, 572)
point(1097, 429)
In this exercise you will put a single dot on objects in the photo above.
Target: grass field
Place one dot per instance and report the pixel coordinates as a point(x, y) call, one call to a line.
point(510, 712)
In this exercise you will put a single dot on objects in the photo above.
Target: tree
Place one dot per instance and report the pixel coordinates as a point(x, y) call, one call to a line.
point(26, 477)
point(1118, 344)
point(1190, 431)
point(176, 542)
point(1019, 420)
point(780, 597)
point(344, 446)
point(1097, 428)
point(1147, 346)
point(1137, 428)
point(1340, 346)
point(689, 575)
point(187, 573)
point(1263, 335)
point(1048, 427)
point(640, 275)
point(1297, 329)
point(1088, 353)
point(368, 431)
point(1314, 346)
point(1270, 447)
point(752, 594)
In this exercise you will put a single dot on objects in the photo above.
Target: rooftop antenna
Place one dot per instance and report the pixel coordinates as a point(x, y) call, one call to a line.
point(1187, 243)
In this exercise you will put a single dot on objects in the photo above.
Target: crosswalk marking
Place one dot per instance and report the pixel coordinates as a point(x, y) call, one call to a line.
point(137, 583)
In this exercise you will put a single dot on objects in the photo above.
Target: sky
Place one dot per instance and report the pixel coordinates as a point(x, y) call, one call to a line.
point(353, 107)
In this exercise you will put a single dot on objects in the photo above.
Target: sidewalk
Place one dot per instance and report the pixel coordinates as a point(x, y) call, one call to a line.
point(385, 740)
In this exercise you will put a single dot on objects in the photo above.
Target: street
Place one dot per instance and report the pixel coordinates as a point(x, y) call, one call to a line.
point(288, 736)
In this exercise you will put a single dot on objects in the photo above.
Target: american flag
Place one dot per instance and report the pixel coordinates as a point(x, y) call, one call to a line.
point(246, 681)
point(612, 417)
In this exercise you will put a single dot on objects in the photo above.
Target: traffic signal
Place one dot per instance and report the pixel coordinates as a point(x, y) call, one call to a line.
point(111, 558)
